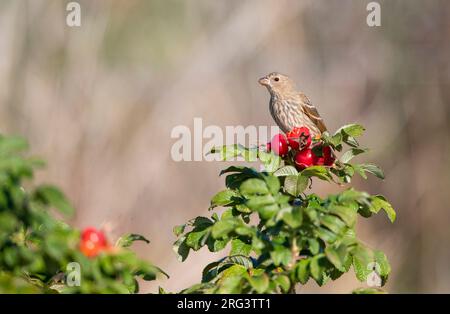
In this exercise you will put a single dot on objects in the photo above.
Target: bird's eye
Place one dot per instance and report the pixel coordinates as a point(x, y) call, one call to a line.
point(276, 79)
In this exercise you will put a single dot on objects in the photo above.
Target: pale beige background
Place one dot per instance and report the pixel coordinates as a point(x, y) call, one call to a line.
point(99, 103)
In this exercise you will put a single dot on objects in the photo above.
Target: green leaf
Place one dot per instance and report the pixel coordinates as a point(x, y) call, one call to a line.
point(379, 202)
point(231, 278)
point(270, 161)
point(317, 268)
point(178, 230)
point(281, 256)
point(383, 263)
point(313, 246)
point(317, 171)
point(52, 196)
point(337, 256)
point(222, 228)
point(350, 154)
point(302, 271)
point(254, 187)
point(181, 249)
point(346, 213)
point(239, 247)
point(283, 282)
point(224, 198)
point(293, 217)
point(373, 169)
point(353, 130)
point(326, 235)
point(259, 283)
point(286, 171)
point(333, 223)
point(362, 257)
point(196, 239)
point(128, 239)
point(273, 183)
point(295, 185)
point(228, 152)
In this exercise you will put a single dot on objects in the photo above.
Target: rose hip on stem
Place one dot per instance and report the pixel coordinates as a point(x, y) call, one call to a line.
point(279, 145)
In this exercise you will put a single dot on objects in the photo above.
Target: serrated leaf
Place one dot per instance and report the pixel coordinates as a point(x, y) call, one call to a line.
point(222, 228)
point(283, 282)
point(295, 185)
point(259, 283)
point(178, 230)
point(362, 258)
point(350, 154)
point(337, 256)
point(223, 198)
point(181, 249)
point(373, 169)
point(253, 186)
point(302, 271)
point(239, 247)
point(313, 246)
point(316, 268)
point(346, 213)
point(293, 217)
point(273, 183)
point(281, 256)
point(353, 130)
point(333, 223)
point(317, 171)
point(379, 202)
point(128, 239)
point(286, 171)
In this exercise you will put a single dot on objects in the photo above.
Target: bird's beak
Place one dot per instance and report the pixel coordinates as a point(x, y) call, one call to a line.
point(264, 81)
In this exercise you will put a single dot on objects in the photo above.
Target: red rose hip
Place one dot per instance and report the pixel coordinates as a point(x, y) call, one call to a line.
point(304, 158)
point(328, 157)
point(279, 145)
point(92, 242)
point(299, 138)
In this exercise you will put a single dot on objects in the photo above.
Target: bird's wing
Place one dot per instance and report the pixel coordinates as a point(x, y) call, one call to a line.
point(311, 111)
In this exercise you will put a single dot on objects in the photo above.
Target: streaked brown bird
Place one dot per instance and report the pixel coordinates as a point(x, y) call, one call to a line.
point(290, 108)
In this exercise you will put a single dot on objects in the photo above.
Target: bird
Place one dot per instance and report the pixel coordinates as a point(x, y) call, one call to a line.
point(290, 108)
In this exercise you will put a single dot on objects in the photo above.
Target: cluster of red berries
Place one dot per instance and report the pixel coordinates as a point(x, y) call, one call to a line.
point(299, 141)
point(93, 242)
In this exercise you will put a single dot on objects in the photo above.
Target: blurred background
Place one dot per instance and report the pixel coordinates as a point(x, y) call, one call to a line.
point(99, 102)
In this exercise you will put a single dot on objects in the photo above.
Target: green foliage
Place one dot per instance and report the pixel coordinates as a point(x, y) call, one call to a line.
point(279, 235)
point(35, 248)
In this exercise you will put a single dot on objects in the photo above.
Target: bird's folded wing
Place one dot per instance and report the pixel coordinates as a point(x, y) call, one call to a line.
point(311, 111)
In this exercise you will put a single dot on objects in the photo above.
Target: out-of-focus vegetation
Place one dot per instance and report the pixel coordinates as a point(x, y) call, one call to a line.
point(39, 254)
point(99, 102)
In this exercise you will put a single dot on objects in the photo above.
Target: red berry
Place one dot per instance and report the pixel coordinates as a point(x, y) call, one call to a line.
point(299, 137)
point(328, 157)
point(318, 161)
point(268, 147)
point(92, 242)
point(304, 158)
point(279, 145)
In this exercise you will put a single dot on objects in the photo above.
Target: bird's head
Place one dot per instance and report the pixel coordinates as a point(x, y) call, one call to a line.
point(277, 83)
